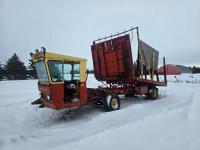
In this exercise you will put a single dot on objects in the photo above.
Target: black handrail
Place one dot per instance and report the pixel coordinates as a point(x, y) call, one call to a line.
point(115, 35)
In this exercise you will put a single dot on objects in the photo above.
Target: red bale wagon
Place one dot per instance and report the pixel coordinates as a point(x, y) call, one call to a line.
point(113, 63)
point(113, 66)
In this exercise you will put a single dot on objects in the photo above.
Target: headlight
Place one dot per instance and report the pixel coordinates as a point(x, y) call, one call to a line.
point(49, 97)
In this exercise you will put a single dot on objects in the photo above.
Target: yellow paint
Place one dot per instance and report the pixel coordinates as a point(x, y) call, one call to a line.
point(83, 70)
point(54, 56)
point(64, 58)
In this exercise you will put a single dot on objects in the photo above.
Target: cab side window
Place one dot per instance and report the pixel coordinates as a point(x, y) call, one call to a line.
point(76, 72)
point(67, 71)
point(55, 69)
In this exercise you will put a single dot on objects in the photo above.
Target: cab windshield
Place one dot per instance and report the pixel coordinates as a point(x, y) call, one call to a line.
point(41, 71)
point(58, 71)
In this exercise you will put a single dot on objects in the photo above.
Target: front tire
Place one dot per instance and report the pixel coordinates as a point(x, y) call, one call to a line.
point(111, 102)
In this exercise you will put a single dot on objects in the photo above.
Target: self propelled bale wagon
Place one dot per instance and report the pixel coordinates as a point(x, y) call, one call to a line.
point(62, 78)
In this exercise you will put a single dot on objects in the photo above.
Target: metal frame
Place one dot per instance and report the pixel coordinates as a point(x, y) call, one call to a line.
point(118, 34)
point(92, 96)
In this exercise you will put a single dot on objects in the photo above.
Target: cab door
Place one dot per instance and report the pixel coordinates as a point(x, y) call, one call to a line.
point(71, 82)
point(56, 86)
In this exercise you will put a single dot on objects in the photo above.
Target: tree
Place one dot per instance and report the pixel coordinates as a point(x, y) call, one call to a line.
point(1, 72)
point(195, 69)
point(31, 70)
point(15, 69)
point(90, 71)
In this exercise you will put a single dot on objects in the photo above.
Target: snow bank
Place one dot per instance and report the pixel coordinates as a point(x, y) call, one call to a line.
point(183, 78)
point(171, 122)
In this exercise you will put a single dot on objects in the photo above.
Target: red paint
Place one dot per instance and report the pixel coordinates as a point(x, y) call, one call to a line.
point(170, 70)
point(57, 94)
point(83, 93)
point(112, 60)
point(141, 89)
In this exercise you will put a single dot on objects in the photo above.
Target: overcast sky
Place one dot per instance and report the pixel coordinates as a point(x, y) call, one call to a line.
point(69, 27)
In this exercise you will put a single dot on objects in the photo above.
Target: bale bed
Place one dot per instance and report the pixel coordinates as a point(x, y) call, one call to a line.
point(112, 60)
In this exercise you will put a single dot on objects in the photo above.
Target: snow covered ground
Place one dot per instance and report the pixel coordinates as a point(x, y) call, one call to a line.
point(170, 123)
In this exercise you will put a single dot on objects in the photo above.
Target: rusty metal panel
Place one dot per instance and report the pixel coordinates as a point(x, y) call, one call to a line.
point(141, 89)
point(112, 59)
point(149, 55)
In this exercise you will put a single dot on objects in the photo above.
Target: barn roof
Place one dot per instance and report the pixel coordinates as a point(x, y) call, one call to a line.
point(170, 70)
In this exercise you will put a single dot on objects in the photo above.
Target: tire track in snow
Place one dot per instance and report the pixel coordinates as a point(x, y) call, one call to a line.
point(75, 129)
point(162, 112)
point(112, 120)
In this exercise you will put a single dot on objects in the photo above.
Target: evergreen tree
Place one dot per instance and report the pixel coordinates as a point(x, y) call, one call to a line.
point(15, 69)
point(195, 69)
point(31, 70)
point(1, 71)
point(90, 71)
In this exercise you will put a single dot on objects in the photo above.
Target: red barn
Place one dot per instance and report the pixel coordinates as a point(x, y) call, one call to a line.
point(170, 70)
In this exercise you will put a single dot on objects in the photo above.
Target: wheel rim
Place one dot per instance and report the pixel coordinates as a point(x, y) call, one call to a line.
point(154, 93)
point(114, 103)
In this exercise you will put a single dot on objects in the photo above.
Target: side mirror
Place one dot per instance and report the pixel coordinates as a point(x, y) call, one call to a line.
point(31, 54)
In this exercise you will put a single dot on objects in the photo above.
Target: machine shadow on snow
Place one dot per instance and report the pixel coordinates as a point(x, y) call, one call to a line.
point(86, 112)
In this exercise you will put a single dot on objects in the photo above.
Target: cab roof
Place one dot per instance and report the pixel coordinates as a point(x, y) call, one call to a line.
point(47, 55)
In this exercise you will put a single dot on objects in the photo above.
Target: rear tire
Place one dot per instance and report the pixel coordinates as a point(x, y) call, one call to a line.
point(111, 102)
point(152, 93)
